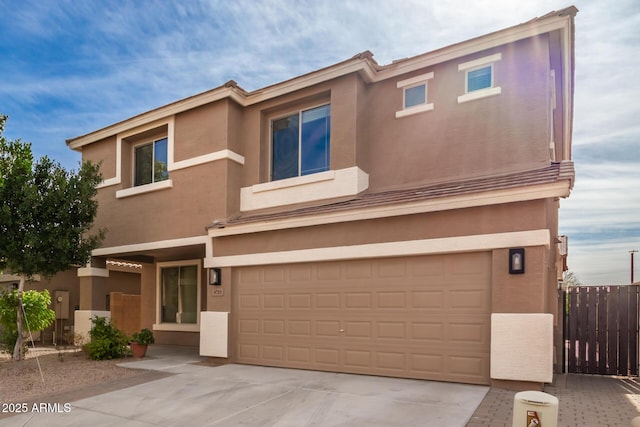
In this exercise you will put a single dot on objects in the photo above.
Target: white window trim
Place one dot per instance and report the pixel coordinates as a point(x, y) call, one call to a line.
point(184, 327)
point(475, 65)
point(147, 188)
point(307, 188)
point(411, 83)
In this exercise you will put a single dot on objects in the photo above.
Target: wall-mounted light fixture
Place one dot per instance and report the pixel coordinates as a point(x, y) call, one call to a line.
point(516, 261)
point(215, 276)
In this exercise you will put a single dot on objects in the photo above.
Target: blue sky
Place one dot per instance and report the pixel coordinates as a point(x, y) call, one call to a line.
point(71, 67)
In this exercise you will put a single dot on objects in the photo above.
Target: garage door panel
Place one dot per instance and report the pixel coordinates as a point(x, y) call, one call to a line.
point(249, 301)
point(299, 355)
point(249, 326)
point(392, 268)
point(273, 353)
point(249, 352)
point(299, 328)
point(274, 275)
point(386, 330)
point(327, 328)
point(416, 317)
point(358, 300)
point(273, 327)
point(299, 301)
point(427, 299)
point(357, 329)
point(391, 300)
point(327, 301)
point(328, 358)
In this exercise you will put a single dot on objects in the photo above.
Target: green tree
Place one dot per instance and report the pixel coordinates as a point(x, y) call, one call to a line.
point(45, 217)
point(36, 307)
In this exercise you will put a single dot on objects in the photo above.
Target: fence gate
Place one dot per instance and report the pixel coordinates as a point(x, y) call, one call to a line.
point(601, 330)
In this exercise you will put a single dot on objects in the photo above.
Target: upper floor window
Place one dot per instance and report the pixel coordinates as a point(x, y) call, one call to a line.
point(150, 162)
point(479, 78)
point(300, 143)
point(414, 95)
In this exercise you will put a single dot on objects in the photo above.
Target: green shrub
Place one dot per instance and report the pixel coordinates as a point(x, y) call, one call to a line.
point(107, 341)
point(144, 337)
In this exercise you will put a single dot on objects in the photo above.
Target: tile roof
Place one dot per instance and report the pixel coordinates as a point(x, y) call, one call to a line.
point(555, 172)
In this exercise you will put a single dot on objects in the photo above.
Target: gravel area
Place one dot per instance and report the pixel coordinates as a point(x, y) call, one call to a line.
point(63, 371)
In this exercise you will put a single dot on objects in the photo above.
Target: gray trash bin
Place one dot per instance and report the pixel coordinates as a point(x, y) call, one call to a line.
point(535, 409)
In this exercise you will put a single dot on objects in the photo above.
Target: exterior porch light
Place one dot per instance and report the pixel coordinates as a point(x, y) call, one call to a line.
point(516, 261)
point(215, 276)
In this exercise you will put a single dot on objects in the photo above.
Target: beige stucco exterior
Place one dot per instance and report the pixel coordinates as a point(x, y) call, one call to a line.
point(466, 176)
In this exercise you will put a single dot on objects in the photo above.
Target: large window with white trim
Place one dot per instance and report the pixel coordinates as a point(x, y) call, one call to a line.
point(300, 143)
point(179, 293)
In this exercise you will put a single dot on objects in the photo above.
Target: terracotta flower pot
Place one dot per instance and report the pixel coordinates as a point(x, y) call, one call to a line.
point(138, 350)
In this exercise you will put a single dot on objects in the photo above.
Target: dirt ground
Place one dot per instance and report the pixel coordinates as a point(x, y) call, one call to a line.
point(62, 371)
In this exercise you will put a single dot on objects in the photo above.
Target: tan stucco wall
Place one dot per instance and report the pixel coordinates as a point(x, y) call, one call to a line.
point(481, 220)
point(488, 136)
point(198, 197)
point(202, 130)
point(103, 153)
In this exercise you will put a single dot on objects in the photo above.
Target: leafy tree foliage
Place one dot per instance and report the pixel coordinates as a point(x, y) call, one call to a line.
point(36, 307)
point(45, 217)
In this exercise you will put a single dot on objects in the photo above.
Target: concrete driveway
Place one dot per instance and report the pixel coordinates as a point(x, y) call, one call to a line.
point(242, 395)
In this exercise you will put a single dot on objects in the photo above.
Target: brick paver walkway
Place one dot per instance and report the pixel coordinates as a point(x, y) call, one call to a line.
point(584, 401)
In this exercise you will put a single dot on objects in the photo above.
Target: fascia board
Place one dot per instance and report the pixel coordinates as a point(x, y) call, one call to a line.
point(149, 246)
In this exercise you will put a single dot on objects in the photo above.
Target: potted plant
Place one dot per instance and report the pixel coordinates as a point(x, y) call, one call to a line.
point(140, 341)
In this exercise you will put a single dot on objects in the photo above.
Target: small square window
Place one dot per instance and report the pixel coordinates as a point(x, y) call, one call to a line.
point(481, 78)
point(416, 95)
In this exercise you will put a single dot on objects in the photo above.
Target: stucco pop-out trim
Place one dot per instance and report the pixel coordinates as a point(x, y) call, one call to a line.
point(93, 272)
point(522, 347)
point(214, 332)
point(473, 243)
point(320, 186)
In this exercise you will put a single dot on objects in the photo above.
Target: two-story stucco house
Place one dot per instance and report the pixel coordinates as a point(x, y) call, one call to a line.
point(361, 218)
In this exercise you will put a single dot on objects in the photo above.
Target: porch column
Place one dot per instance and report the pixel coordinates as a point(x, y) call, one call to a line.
point(93, 285)
point(93, 301)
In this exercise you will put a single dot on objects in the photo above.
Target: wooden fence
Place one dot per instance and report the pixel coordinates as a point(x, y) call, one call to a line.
point(125, 312)
point(601, 330)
